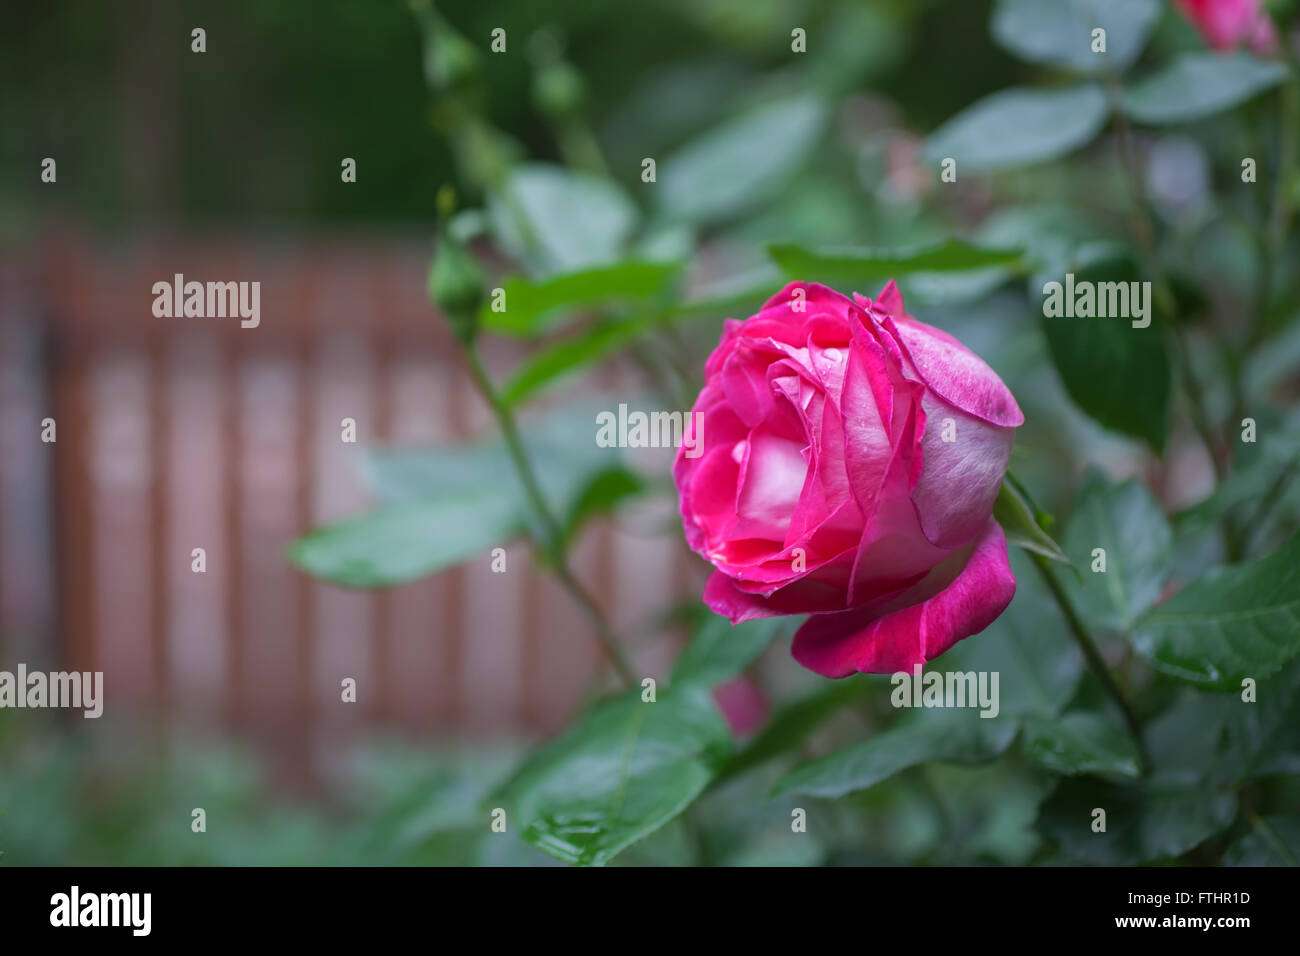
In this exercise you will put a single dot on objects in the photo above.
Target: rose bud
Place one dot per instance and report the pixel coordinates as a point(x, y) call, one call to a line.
point(851, 457)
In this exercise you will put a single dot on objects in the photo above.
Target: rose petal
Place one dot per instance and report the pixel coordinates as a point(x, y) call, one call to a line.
point(713, 491)
point(837, 645)
point(816, 298)
point(735, 601)
point(773, 481)
point(958, 375)
point(951, 370)
point(893, 551)
point(737, 606)
point(867, 413)
point(744, 382)
point(890, 301)
point(960, 478)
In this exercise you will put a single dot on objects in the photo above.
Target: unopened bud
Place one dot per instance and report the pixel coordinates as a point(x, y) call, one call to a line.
point(456, 283)
point(451, 62)
point(559, 90)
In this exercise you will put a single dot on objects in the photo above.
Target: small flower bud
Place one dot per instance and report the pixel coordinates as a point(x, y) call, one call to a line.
point(559, 90)
point(456, 283)
point(451, 63)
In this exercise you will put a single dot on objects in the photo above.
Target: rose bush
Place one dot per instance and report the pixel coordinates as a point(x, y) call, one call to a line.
point(851, 458)
point(847, 461)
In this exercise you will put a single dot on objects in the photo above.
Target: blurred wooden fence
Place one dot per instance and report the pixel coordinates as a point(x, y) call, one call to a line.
point(175, 434)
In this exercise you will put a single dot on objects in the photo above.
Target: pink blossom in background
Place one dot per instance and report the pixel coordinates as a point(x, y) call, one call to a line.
point(1229, 24)
point(743, 704)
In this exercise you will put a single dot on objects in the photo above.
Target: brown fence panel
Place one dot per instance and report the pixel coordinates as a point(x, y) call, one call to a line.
point(176, 434)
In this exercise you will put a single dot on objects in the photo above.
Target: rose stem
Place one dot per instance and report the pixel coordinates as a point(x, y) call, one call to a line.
point(1280, 220)
point(1166, 305)
point(1093, 657)
point(553, 546)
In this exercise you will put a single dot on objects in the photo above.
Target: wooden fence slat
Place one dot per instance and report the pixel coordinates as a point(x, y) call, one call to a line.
point(162, 559)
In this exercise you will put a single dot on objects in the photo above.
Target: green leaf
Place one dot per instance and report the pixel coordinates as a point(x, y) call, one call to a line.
point(985, 814)
point(534, 306)
point(927, 289)
point(1262, 737)
point(1059, 32)
point(1259, 469)
point(449, 504)
point(956, 735)
point(1193, 760)
point(1046, 230)
point(794, 722)
point(1080, 742)
point(1272, 841)
point(1037, 671)
point(1029, 647)
point(559, 220)
point(625, 770)
point(1129, 525)
point(603, 493)
point(844, 267)
point(736, 165)
point(1015, 513)
point(577, 477)
point(1156, 820)
point(570, 356)
point(739, 295)
point(1200, 84)
point(720, 650)
point(1019, 126)
point(1232, 623)
point(1236, 739)
point(1092, 354)
point(404, 542)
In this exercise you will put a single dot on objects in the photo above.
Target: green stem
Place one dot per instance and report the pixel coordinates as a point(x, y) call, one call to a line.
point(1143, 227)
point(1166, 305)
point(698, 835)
point(1093, 656)
point(1270, 498)
point(553, 545)
point(1280, 220)
point(580, 148)
point(946, 829)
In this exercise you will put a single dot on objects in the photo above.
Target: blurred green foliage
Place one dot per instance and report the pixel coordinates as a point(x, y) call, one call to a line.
point(253, 130)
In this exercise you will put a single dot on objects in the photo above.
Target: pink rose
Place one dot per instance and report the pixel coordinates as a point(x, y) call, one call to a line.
point(850, 459)
point(1228, 24)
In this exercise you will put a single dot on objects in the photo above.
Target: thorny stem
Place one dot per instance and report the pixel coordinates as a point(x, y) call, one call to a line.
point(553, 545)
point(1093, 656)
